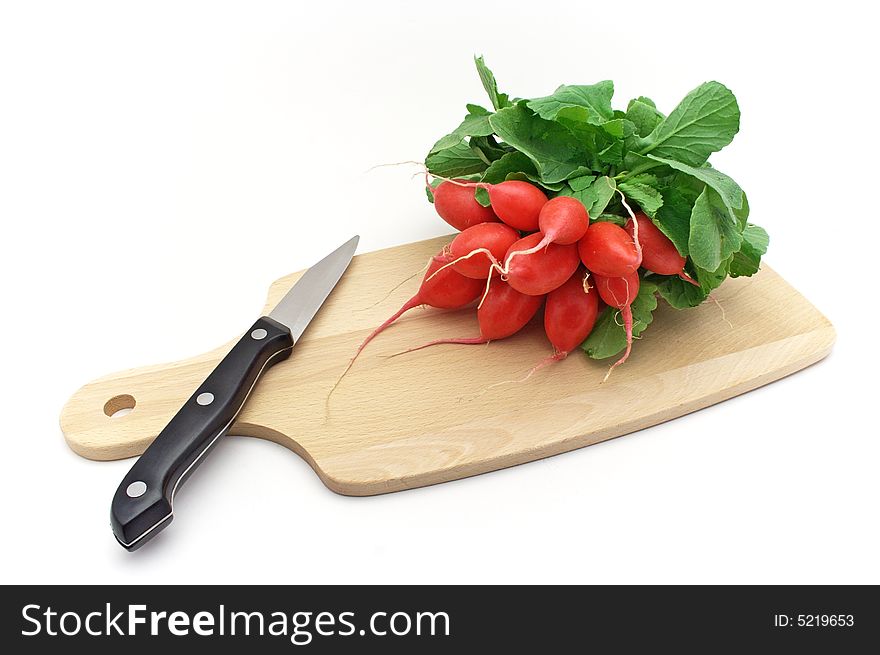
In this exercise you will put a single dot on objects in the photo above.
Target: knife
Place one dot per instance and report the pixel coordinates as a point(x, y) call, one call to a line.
point(143, 503)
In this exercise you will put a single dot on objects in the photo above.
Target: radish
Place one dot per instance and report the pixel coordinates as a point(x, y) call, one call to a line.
point(540, 271)
point(659, 254)
point(515, 202)
point(563, 220)
point(458, 207)
point(442, 287)
point(617, 291)
point(570, 314)
point(607, 249)
point(620, 292)
point(504, 312)
point(478, 248)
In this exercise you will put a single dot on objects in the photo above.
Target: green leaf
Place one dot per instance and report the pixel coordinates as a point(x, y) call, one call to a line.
point(589, 103)
point(643, 114)
point(512, 162)
point(601, 192)
point(534, 179)
point(515, 165)
point(714, 233)
point(742, 214)
point(636, 164)
point(458, 160)
point(499, 100)
point(687, 184)
point(429, 189)
point(642, 190)
point(481, 195)
point(727, 188)
point(474, 124)
point(488, 148)
point(619, 128)
point(681, 294)
point(644, 178)
point(581, 183)
point(601, 148)
point(595, 197)
point(612, 155)
point(704, 122)
point(748, 260)
point(711, 280)
point(674, 217)
point(556, 155)
point(608, 337)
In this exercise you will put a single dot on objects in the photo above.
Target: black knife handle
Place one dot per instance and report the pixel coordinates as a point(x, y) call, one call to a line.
point(142, 505)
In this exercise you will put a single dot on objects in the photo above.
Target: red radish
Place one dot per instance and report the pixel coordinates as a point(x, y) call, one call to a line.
point(608, 250)
point(517, 203)
point(563, 220)
point(542, 271)
point(570, 314)
point(458, 207)
point(504, 312)
point(477, 248)
point(620, 292)
point(659, 254)
point(441, 287)
point(617, 291)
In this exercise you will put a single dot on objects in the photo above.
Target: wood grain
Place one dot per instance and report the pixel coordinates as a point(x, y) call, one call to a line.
point(434, 415)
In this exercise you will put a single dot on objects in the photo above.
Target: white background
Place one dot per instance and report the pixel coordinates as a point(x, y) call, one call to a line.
point(161, 163)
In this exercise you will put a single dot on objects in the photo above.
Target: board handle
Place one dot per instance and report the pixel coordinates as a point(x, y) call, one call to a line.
point(143, 503)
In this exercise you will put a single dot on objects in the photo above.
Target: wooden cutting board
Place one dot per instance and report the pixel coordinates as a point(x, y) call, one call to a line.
point(433, 415)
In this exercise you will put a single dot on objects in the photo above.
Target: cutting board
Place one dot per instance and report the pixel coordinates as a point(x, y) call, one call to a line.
point(452, 411)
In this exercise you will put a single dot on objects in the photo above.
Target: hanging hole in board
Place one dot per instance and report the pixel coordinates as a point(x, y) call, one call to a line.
point(119, 405)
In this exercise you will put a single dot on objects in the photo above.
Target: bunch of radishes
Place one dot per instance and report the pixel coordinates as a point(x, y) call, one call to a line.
point(531, 186)
point(525, 251)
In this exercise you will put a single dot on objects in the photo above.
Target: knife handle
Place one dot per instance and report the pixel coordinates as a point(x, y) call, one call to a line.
point(142, 505)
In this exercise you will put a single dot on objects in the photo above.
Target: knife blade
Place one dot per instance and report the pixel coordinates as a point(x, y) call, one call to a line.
point(143, 503)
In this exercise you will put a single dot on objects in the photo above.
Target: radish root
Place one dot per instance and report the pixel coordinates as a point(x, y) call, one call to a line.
point(635, 225)
point(472, 341)
point(543, 243)
point(396, 163)
point(586, 282)
point(626, 312)
point(628, 299)
point(486, 292)
point(723, 313)
point(555, 357)
point(397, 286)
point(467, 185)
point(408, 305)
point(476, 251)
